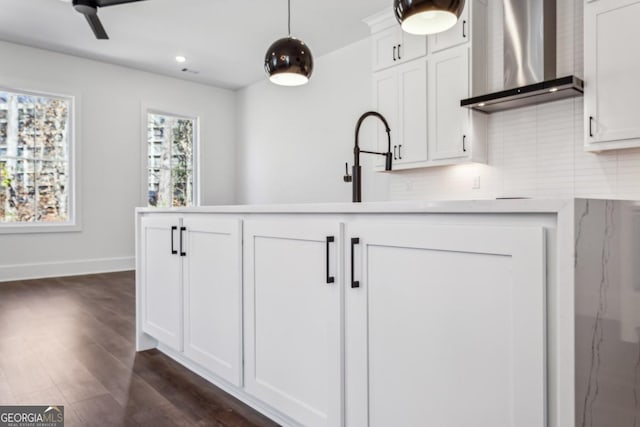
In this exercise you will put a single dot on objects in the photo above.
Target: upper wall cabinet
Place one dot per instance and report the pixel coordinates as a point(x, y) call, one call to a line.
point(460, 33)
point(399, 93)
point(420, 93)
point(391, 45)
point(448, 83)
point(611, 75)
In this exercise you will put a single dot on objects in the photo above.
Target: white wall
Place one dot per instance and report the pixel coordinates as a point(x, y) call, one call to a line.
point(533, 152)
point(110, 148)
point(293, 142)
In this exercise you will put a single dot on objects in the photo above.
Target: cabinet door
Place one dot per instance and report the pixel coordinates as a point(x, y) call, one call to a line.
point(386, 101)
point(611, 74)
point(411, 46)
point(458, 34)
point(213, 294)
point(449, 123)
point(385, 48)
point(411, 139)
point(401, 97)
point(447, 326)
point(161, 279)
point(393, 47)
point(293, 346)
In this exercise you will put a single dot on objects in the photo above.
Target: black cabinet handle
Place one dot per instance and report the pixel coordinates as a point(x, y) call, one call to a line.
point(464, 29)
point(395, 152)
point(399, 57)
point(173, 251)
point(354, 283)
point(394, 53)
point(464, 143)
point(591, 126)
point(330, 278)
point(182, 230)
point(400, 151)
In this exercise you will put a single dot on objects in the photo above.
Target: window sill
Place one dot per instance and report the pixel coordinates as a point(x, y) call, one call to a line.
point(15, 228)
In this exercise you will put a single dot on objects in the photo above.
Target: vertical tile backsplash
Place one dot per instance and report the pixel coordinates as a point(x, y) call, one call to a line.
point(534, 151)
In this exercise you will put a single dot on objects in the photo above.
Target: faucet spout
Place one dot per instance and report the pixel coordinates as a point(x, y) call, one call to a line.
point(357, 169)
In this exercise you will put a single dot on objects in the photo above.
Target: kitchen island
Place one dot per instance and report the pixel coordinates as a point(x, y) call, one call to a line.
point(489, 312)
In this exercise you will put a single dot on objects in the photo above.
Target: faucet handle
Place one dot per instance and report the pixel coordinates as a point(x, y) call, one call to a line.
point(347, 177)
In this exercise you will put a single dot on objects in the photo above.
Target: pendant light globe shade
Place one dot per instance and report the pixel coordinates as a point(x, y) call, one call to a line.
point(424, 17)
point(289, 62)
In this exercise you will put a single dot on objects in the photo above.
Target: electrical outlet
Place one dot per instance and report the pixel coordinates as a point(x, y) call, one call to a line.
point(476, 183)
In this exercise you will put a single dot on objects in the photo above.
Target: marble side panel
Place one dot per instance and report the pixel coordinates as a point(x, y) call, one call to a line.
point(607, 290)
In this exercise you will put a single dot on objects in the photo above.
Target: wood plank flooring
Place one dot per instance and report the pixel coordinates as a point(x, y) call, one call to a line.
point(70, 341)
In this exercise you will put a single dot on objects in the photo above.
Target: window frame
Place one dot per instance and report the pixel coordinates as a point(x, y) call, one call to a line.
point(146, 111)
point(73, 223)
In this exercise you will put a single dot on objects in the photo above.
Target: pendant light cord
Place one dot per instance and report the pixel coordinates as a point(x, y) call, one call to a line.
point(289, 14)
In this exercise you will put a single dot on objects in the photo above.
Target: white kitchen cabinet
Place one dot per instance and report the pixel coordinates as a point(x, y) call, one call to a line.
point(458, 34)
point(387, 102)
point(449, 311)
point(213, 295)
point(192, 288)
point(392, 46)
point(450, 131)
point(458, 70)
point(421, 99)
point(293, 338)
point(161, 270)
point(400, 93)
point(445, 325)
point(611, 73)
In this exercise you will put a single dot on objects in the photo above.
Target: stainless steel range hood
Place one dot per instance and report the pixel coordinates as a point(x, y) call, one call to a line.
point(537, 93)
point(529, 60)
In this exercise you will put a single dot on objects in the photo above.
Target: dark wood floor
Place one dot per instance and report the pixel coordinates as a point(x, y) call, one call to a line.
point(70, 341)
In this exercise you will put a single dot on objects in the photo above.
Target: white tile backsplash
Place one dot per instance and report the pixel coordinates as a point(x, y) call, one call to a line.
point(534, 151)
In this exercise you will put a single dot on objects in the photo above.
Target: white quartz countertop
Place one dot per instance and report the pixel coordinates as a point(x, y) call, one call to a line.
point(457, 206)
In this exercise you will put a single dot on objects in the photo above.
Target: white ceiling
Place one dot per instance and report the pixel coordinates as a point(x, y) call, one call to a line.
point(224, 40)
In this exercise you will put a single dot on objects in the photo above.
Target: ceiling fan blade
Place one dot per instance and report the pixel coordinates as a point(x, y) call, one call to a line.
point(96, 26)
point(105, 3)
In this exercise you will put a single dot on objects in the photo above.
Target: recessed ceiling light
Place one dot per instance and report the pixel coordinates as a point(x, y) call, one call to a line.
point(553, 89)
point(180, 59)
point(482, 104)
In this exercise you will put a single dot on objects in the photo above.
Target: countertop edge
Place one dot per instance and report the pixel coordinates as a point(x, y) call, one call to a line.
point(408, 207)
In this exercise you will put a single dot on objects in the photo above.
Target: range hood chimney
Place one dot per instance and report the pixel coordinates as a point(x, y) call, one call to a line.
point(529, 60)
point(529, 42)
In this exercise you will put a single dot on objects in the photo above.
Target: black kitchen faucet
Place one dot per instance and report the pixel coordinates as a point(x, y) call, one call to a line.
point(356, 179)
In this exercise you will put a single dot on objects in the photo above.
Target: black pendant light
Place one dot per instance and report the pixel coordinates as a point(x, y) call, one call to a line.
point(288, 61)
point(427, 16)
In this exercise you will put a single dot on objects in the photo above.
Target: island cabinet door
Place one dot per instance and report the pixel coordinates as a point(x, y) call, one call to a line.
point(444, 326)
point(292, 312)
point(212, 272)
point(161, 270)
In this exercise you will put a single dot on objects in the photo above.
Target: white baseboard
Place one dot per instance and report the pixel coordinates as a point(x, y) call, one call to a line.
point(65, 268)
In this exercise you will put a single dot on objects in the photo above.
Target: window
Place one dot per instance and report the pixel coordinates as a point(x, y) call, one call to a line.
point(35, 152)
point(171, 160)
